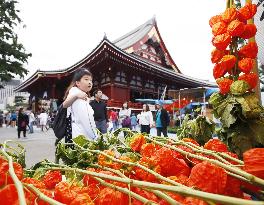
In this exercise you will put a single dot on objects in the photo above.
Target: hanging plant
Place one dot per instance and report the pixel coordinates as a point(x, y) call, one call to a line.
point(236, 104)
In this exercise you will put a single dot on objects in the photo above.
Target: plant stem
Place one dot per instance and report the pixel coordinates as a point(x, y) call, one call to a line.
point(157, 193)
point(252, 179)
point(42, 196)
point(126, 191)
point(186, 191)
point(18, 185)
point(158, 176)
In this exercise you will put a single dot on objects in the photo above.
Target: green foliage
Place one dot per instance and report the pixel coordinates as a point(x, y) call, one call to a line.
point(173, 130)
point(12, 53)
point(200, 129)
point(77, 156)
point(242, 120)
point(239, 87)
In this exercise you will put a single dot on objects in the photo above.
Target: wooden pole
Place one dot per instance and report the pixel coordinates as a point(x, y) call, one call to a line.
point(255, 68)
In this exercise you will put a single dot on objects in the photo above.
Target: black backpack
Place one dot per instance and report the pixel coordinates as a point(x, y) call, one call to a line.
point(60, 122)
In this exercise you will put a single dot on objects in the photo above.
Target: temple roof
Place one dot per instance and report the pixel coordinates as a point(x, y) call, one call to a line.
point(106, 45)
point(135, 35)
point(147, 32)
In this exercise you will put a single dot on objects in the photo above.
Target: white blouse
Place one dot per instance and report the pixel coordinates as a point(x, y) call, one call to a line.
point(82, 117)
point(145, 118)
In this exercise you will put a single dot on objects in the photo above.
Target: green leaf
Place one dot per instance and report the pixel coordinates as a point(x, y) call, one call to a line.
point(239, 87)
point(81, 140)
point(216, 99)
point(250, 105)
point(227, 118)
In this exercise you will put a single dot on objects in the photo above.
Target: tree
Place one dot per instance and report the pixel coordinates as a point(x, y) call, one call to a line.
point(12, 53)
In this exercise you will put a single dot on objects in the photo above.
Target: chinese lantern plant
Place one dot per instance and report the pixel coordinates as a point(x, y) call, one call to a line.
point(236, 104)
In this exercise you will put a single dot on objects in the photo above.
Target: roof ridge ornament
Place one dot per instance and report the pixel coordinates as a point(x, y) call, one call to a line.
point(105, 36)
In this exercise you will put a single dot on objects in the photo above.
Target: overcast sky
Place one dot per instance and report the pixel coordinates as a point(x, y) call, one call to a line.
point(59, 33)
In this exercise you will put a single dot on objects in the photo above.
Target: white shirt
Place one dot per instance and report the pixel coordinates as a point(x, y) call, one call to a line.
point(31, 117)
point(145, 118)
point(82, 117)
point(43, 118)
point(124, 113)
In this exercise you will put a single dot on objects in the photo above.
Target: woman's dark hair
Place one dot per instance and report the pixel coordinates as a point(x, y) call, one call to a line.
point(123, 106)
point(147, 107)
point(77, 77)
point(20, 110)
point(96, 91)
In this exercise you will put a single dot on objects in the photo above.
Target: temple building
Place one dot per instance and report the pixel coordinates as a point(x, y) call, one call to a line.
point(136, 65)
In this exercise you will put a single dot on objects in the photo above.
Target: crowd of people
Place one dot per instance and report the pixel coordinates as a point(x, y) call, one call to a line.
point(86, 116)
point(25, 120)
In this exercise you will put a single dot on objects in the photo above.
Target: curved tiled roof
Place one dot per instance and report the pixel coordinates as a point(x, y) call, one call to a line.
point(135, 35)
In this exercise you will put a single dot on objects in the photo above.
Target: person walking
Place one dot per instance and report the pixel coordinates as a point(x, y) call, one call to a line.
point(162, 119)
point(7, 119)
point(124, 116)
point(133, 122)
point(43, 119)
point(32, 119)
point(145, 119)
point(80, 114)
point(1, 118)
point(13, 119)
point(22, 122)
point(100, 112)
point(114, 119)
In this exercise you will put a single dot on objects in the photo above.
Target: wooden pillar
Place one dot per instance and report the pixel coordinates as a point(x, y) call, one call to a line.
point(255, 68)
point(53, 91)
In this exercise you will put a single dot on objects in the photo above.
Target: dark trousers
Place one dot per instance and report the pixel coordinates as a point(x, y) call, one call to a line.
point(145, 129)
point(162, 130)
point(19, 131)
point(101, 126)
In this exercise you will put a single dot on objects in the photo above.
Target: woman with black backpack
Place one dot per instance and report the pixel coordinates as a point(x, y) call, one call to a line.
point(79, 114)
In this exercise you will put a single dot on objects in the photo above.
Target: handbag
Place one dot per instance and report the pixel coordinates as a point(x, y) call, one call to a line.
point(60, 122)
point(126, 122)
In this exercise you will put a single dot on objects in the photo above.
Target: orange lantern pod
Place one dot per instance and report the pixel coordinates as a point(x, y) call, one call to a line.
point(217, 55)
point(246, 65)
point(221, 41)
point(215, 19)
point(228, 62)
point(250, 78)
point(247, 12)
point(229, 15)
point(235, 28)
point(249, 51)
point(250, 30)
point(218, 71)
point(219, 28)
point(224, 85)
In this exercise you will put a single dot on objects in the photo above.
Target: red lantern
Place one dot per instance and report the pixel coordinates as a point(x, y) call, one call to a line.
point(246, 65)
point(249, 51)
point(218, 71)
point(235, 28)
point(224, 85)
point(215, 19)
point(247, 12)
point(219, 28)
point(254, 162)
point(221, 41)
point(229, 15)
point(217, 55)
point(250, 78)
point(228, 62)
point(249, 31)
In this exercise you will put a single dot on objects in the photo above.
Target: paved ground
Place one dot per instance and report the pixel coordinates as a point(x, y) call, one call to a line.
point(39, 145)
